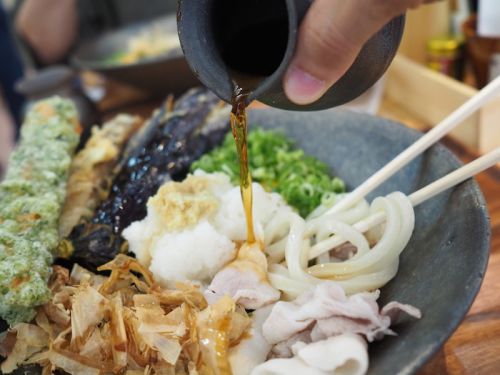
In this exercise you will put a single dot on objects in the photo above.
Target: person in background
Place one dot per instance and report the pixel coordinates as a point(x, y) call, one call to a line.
point(11, 103)
point(11, 70)
point(6, 136)
point(51, 29)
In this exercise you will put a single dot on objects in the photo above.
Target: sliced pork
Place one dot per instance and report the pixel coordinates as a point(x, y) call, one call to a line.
point(339, 355)
point(326, 311)
point(244, 280)
point(254, 349)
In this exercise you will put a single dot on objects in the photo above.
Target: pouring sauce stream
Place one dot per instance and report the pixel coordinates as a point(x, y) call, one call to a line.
point(239, 127)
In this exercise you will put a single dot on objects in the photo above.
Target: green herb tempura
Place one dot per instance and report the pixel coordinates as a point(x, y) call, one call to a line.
point(302, 180)
point(31, 197)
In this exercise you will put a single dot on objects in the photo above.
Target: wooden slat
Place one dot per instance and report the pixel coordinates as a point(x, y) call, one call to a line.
point(489, 127)
point(435, 17)
point(431, 96)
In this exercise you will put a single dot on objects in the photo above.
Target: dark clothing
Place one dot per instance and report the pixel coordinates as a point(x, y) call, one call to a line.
point(11, 70)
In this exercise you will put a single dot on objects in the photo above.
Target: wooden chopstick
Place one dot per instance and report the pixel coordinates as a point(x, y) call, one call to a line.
point(454, 178)
point(422, 144)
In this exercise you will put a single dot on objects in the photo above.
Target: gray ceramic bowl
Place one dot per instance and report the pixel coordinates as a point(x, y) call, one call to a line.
point(167, 73)
point(442, 267)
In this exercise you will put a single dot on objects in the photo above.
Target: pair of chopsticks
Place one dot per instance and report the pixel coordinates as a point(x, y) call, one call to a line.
point(439, 131)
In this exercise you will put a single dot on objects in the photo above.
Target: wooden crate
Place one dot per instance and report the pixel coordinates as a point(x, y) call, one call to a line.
point(430, 96)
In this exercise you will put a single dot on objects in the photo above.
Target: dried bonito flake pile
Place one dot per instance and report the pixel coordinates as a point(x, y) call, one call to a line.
point(125, 323)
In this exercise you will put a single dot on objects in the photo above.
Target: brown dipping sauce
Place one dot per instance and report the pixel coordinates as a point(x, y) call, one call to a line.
point(239, 127)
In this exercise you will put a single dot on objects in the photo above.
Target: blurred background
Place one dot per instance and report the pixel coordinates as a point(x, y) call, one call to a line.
point(112, 55)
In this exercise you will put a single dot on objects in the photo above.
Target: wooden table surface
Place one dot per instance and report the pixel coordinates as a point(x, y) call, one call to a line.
point(474, 349)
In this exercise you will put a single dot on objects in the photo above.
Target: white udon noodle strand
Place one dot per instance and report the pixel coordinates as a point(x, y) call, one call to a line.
point(277, 230)
point(288, 237)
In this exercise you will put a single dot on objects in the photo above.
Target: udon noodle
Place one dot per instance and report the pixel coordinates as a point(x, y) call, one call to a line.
point(289, 240)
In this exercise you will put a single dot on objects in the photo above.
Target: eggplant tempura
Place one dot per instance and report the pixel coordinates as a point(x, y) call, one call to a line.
point(164, 149)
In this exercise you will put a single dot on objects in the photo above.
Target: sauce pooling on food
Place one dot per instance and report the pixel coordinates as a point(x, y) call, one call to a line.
point(239, 126)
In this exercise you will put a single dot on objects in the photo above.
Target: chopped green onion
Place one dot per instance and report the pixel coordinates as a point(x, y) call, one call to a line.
point(303, 181)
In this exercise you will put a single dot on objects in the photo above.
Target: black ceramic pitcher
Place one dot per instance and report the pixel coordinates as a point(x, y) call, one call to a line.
point(253, 41)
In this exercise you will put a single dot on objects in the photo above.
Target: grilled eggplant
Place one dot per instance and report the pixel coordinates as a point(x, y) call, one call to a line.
point(196, 124)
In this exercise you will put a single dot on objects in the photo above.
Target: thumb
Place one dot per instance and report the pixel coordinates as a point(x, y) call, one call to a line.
point(330, 38)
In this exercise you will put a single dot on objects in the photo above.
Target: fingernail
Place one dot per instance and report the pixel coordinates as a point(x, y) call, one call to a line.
point(303, 88)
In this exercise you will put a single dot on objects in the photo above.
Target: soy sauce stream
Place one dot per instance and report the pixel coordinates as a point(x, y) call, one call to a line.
point(239, 127)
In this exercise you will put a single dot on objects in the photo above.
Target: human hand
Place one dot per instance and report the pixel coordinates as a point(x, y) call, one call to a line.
point(330, 38)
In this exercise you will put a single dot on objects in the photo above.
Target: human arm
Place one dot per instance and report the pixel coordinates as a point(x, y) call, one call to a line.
point(49, 27)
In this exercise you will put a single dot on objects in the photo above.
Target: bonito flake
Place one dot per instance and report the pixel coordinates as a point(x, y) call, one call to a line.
point(125, 322)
